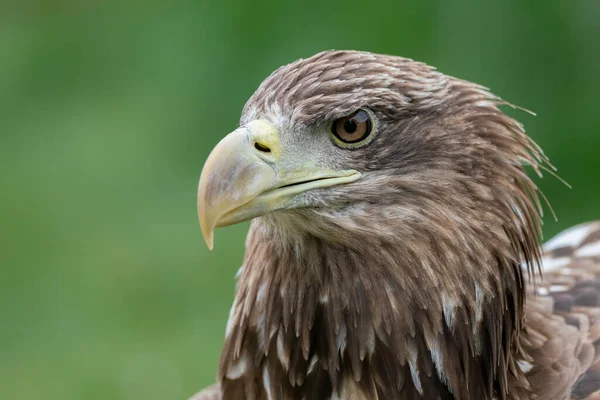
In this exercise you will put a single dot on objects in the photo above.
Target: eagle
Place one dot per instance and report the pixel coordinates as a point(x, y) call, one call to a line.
point(395, 244)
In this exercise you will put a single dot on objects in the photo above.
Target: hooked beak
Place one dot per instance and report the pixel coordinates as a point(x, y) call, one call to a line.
point(246, 176)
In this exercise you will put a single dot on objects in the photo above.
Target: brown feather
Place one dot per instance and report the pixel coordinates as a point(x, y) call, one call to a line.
point(571, 325)
point(415, 289)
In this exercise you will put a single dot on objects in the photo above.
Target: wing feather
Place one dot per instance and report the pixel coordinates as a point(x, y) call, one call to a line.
point(563, 317)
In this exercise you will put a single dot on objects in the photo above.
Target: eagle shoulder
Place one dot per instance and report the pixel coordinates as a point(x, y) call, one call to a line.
point(562, 333)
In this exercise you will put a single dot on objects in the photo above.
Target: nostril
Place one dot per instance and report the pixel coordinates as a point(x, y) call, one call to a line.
point(261, 147)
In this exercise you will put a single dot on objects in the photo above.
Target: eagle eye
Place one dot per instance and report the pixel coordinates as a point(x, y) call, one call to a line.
point(353, 129)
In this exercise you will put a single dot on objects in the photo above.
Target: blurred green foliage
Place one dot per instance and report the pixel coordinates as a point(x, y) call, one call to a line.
point(109, 109)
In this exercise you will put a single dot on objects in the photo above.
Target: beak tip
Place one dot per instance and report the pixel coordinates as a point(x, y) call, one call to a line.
point(208, 233)
point(209, 242)
point(207, 224)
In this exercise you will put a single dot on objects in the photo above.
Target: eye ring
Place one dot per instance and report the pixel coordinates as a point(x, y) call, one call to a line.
point(353, 130)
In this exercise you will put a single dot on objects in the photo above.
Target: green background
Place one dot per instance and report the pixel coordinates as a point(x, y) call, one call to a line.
point(108, 110)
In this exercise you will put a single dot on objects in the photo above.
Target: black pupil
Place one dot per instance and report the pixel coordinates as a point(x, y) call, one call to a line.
point(350, 126)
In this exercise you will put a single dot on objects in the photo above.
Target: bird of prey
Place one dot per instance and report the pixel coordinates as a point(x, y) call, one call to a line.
point(394, 249)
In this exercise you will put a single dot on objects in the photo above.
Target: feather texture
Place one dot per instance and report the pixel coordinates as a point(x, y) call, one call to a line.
point(417, 287)
point(561, 333)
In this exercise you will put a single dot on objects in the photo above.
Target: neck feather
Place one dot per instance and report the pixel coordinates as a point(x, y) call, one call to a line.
point(318, 315)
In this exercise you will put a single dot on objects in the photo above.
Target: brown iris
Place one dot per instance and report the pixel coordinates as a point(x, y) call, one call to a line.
point(353, 128)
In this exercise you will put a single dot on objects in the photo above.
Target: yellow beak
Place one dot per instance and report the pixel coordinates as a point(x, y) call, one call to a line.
point(246, 176)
